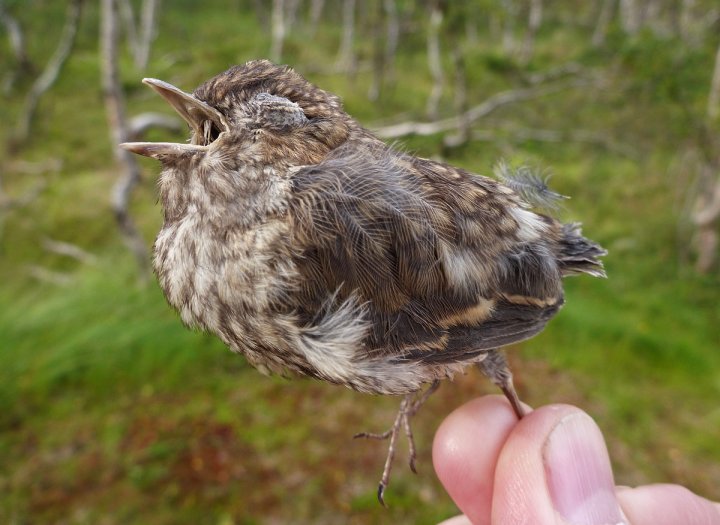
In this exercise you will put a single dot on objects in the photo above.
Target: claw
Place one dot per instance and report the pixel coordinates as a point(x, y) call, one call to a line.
point(371, 435)
point(381, 494)
point(509, 391)
point(495, 367)
point(408, 408)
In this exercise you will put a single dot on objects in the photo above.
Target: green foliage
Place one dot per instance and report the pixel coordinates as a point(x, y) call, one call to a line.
point(112, 412)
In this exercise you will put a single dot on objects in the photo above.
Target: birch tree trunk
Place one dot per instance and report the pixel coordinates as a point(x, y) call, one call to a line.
point(434, 60)
point(630, 16)
point(16, 37)
point(278, 30)
point(653, 17)
point(376, 19)
point(140, 39)
point(534, 21)
point(686, 21)
point(147, 33)
point(316, 10)
point(508, 35)
point(713, 106)
point(117, 123)
point(461, 100)
point(393, 37)
point(385, 43)
point(261, 12)
point(346, 56)
point(291, 14)
point(607, 9)
point(707, 206)
point(127, 16)
point(50, 74)
point(707, 219)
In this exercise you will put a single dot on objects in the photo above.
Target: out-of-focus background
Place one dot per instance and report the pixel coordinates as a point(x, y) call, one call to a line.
point(112, 412)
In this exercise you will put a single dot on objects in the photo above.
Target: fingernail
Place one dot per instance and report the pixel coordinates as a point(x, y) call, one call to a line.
point(578, 472)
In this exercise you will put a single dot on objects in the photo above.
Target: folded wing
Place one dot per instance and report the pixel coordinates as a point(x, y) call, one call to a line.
point(450, 264)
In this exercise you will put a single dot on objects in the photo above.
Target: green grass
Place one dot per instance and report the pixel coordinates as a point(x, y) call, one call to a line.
point(112, 412)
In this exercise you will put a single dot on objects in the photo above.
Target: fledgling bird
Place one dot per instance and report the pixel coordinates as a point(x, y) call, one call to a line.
point(311, 247)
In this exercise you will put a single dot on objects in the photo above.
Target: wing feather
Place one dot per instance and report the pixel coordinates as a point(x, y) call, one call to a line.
point(428, 247)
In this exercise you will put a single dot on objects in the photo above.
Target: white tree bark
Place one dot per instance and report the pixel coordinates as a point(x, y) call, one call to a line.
point(118, 126)
point(392, 34)
point(471, 31)
point(653, 17)
point(49, 276)
point(534, 21)
point(713, 105)
point(385, 43)
point(139, 40)
point(278, 30)
point(148, 33)
point(50, 74)
point(316, 10)
point(508, 35)
point(378, 52)
point(461, 102)
point(7, 203)
point(434, 60)
point(346, 55)
point(482, 110)
point(607, 9)
point(291, 12)
point(631, 16)
point(16, 37)
point(67, 249)
point(707, 206)
point(127, 15)
point(140, 124)
point(706, 220)
point(687, 20)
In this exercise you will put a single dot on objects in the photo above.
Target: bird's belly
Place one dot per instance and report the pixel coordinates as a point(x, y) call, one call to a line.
point(238, 285)
point(225, 281)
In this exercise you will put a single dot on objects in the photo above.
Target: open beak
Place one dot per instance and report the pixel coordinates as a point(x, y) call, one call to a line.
point(206, 122)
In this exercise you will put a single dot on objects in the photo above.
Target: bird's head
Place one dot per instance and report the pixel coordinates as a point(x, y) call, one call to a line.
point(257, 113)
point(248, 125)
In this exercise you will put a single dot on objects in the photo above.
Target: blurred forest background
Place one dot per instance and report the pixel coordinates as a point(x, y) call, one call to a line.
point(112, 412)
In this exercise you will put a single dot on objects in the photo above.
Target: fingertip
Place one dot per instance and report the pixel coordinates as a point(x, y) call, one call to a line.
point(664, 504)
point(555, 466)
point(457, 520)
point(465, 451)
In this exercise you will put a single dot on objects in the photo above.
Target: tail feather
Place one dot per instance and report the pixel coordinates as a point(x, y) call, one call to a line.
point(578, 254)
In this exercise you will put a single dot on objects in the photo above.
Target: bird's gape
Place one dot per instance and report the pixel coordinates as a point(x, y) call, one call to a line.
point(210, 134)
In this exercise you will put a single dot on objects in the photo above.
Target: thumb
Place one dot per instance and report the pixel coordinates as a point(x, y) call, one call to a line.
point(555, 469)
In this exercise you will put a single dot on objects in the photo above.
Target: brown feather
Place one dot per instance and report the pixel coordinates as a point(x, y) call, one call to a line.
point(307, 244)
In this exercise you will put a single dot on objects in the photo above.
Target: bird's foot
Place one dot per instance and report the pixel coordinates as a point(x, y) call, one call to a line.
point(495, 367)
point(409, 406)
point(510, 393)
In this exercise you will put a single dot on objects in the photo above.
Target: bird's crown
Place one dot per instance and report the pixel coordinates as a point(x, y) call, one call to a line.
point(241, 83)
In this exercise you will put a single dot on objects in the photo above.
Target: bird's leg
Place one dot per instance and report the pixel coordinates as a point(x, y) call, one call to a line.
point(408, 408)
point(392, 433)
point(424, 397)
point(495, 367)
point(412, 410)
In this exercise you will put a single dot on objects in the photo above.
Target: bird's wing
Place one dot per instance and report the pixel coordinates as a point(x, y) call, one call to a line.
point(445, 264)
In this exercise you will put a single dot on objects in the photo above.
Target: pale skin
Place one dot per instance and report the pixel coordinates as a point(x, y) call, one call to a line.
point(550, 468)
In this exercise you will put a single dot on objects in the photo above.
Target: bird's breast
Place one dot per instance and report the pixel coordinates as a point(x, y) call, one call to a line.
point(217, 276)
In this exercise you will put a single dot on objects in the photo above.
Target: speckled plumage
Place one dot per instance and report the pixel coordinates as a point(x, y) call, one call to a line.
point(311, 247)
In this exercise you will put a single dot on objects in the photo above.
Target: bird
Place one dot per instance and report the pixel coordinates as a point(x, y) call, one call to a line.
point(311, 247)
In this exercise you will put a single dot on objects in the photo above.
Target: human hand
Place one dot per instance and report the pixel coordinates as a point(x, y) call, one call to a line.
point(550, 468)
